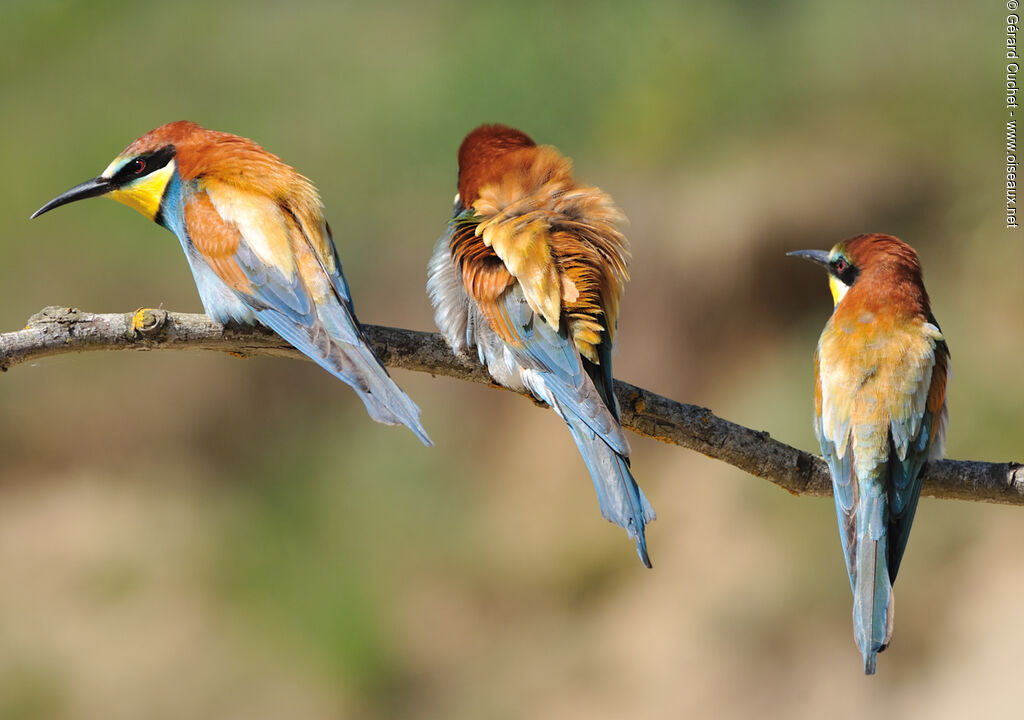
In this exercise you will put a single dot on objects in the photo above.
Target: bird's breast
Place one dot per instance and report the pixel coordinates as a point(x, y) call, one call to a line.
point(873, 373)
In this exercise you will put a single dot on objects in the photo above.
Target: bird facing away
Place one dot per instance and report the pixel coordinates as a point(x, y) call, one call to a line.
point(530, 271)
point(255, 237)
point(880, 413)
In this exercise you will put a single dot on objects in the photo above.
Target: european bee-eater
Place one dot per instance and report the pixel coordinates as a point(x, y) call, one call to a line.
point(255, 237)
point(880, 413)
point(530, 271)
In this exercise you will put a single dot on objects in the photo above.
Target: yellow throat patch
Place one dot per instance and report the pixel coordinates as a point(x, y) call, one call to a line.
point(838, 289)
point(146, 193)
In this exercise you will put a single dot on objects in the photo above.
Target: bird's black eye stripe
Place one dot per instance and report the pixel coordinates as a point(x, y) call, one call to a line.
point(843, 269)
point(143, 165)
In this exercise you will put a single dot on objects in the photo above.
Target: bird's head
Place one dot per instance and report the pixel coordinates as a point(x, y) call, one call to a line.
point(880, 264)
point(141, 174)
point(484, 155)
point(138, 176)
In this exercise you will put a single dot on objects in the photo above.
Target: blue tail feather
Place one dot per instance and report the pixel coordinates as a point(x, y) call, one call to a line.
point(621, 499)
point(359, 368)
point(869, 662)
point(872, 591)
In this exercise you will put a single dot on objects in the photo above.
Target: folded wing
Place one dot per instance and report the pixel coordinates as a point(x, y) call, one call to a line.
point(281, 262)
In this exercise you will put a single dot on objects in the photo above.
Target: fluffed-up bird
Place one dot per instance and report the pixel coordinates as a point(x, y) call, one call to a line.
point(530, 272)
point(260, 250)
point(880, 413)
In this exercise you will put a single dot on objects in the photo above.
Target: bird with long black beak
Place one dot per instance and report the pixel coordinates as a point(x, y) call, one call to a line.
point(880, 412)
point(260, 250)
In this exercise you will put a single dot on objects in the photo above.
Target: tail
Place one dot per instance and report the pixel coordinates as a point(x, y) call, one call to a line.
point(385, 402)
point(872, 588)
point(622, 501)
point(354, 363)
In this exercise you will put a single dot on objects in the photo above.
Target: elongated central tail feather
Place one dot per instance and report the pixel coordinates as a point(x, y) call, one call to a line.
point(621, 499)
point(872, 589)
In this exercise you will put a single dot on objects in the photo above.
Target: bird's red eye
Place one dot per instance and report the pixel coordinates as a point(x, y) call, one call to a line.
point(841, 266)
point(138, 165)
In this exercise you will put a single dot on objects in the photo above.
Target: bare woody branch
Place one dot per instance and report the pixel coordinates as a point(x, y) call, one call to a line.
point(56, 331)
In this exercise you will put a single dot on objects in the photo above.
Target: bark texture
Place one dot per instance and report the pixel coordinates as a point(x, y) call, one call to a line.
point(59, 330)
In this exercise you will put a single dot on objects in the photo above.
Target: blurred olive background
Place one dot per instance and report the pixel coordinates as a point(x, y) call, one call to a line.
point(189, 535)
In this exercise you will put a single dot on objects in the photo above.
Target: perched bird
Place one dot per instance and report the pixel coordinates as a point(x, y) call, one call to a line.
point(254, 234)
point(880, 404)
point(530, 271)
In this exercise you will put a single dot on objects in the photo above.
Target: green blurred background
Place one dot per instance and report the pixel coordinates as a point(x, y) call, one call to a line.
point(189, 535)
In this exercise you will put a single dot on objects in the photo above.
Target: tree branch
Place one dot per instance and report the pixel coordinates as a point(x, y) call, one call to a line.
point(56, 331)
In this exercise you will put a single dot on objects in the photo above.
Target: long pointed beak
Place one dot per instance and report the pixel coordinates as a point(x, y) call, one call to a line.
point(90, 188)
point(815, 256)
